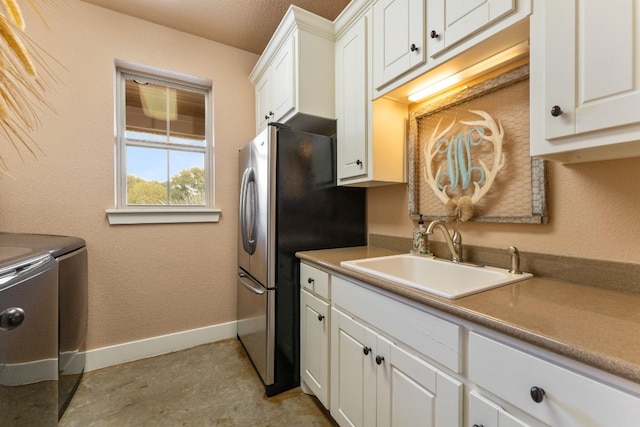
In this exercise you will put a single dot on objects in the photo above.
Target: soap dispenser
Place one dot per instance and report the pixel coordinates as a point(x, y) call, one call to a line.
point(420, 239)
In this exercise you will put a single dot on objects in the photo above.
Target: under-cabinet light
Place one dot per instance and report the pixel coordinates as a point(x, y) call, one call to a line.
point(484, 66)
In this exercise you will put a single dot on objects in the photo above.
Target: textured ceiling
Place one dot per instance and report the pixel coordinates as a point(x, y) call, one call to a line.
point(245, 24)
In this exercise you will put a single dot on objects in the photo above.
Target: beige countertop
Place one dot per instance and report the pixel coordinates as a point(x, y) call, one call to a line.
point(596, 326)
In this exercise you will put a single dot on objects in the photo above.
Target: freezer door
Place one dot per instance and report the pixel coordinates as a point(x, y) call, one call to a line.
point(256, 328)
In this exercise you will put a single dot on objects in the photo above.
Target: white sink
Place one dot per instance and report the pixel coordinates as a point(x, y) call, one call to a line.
point(439, 277)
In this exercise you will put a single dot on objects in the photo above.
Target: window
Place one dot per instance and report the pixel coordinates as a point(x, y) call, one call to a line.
point(164, 151)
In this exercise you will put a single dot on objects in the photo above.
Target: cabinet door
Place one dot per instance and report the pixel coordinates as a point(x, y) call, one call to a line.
point(283, 78)
point(352, 100)
point(483, 412)
point(398, 38)
point(605, 69)
point(411, 392)
point(263, 103)
point(314, 345)
point(353, 380)
point(450, 21)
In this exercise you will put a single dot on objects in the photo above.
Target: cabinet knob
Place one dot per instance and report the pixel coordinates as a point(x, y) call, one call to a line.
point(379, 360)
point(366, 350)
point(310, 280)
point(556, 111)
point(271, 113)
point(433, 34)
point(477, 425)
point(413, 47)
point(266, 117)
point(358, 162)
point(537, 394)
point(320, 317)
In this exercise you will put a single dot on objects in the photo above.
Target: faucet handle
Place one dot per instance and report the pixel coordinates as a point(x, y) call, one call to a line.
point(456, 238)
point(515, 260)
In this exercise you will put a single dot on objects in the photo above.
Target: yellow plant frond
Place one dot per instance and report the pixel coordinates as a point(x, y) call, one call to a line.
point(4, 111)
point(14, 12)
point(22, 90)
point(16, 45)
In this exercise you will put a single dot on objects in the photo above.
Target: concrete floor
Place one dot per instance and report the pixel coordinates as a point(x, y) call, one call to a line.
point(210, 385)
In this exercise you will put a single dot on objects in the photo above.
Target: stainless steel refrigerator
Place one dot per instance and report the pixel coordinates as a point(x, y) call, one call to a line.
point(289, 202)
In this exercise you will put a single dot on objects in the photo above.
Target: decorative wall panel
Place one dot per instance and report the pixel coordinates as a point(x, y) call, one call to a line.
point(469, 155)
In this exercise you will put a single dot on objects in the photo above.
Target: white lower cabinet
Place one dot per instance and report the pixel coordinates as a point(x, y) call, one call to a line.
point(314, 345)
point(378, 378)
point(485, 413)
point(315, 327)
point(376, 383)
point(353, 370)
point(374, 359)
point(548, 392)
point(411, 392)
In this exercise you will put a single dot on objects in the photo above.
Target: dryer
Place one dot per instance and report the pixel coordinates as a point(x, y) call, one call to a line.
point(28, 337)
point(70, 255)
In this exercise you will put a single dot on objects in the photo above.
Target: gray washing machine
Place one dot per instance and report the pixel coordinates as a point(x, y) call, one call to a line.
point(70, 255)
point(28, 337)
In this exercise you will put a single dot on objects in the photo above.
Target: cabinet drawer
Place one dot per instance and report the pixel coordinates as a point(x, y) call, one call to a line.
point(314, 280)
point(570, 399)
point(436, 338)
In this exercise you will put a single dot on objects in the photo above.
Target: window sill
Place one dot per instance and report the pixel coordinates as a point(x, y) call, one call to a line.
point(161, 216)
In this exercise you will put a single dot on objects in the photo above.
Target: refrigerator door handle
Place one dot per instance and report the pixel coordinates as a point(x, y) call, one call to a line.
point(248, 221)
point(249, 284)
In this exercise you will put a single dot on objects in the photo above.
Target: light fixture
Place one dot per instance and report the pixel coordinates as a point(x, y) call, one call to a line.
point(482, 67)
point(158, 102)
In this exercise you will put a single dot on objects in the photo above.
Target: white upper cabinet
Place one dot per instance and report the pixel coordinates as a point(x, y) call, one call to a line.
point(412, 37)
point(585, 80)
point(294, 77)
point(450, 21)
point(352, 101)
point(398, 38)
point(283, 80)
point(264, 112)
point(370, 152)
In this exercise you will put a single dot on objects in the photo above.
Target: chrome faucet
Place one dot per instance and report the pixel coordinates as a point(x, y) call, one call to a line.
point(454, 244)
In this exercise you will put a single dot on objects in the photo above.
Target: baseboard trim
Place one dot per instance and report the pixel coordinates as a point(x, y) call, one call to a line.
point(155, 346)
